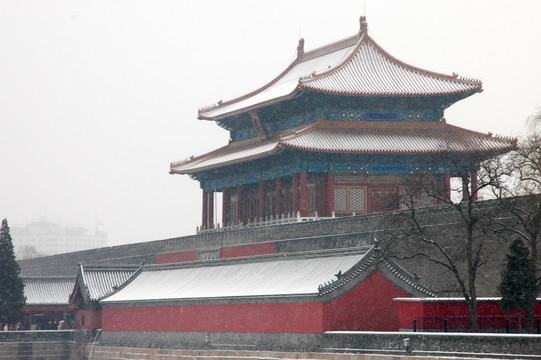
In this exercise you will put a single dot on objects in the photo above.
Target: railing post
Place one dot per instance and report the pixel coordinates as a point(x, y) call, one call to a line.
point(445, 325)
point(414, 325)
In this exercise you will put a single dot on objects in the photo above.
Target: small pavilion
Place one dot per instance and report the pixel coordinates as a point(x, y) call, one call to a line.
point(335, 134)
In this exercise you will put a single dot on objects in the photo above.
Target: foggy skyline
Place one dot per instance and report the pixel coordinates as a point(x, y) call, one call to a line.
point(97, 98)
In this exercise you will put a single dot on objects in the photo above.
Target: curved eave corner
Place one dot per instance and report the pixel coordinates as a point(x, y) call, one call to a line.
point(200, 115)
point(367, 265)
point(125, 283)
point(275, 147)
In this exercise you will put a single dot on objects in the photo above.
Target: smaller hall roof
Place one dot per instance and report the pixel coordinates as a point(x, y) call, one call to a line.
point(356, 66)
point(48, 291)
point(361, 137)
point(275, 276)
point(97, 281)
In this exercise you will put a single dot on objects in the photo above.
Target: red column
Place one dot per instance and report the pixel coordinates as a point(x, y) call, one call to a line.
point(278, 194)
point(330, 194)
point(262, 199)
point(211, 209)
point(295, 194)
point(447, 184)
point(239, 204)
point(474, 186)
point(204, 218)
point(304, 203)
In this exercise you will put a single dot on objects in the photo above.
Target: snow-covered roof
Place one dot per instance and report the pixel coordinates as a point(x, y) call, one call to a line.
point(278, 276)
point(355, 66)
point(271, 276)
point(353, 137)
point(48, 291)
point(96, 281)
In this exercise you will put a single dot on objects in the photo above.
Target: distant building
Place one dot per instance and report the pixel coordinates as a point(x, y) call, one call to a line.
point(44, 237)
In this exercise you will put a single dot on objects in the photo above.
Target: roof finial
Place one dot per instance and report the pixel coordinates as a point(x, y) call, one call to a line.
point(364, 25)
point(300, 48)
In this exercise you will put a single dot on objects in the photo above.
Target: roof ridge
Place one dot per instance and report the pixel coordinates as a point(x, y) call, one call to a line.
point(260, 258)
point(330, 48)
point(341, 64)
point(48, 278)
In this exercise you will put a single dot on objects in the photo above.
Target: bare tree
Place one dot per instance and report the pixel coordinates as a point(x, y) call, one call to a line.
point(461, 250)
point(519, 191)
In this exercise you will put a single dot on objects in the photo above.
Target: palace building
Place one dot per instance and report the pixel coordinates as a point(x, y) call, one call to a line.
point(339, 132)
point(333, 135)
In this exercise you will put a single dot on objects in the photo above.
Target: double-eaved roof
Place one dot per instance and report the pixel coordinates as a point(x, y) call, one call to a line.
point(355, 66)
point(284, 276)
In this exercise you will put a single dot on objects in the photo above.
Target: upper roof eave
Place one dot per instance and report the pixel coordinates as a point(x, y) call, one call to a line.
point(297, 91)
point(301, 58)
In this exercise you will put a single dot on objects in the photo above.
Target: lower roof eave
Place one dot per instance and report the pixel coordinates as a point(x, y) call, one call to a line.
point(267, 299)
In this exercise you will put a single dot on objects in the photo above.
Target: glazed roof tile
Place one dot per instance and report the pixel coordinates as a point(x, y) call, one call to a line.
point(372, 71)
point(48, 291)
point(353, 137)
point(272, 276)
point(103, 280)
point(394, 137)
point(354, 66)
point(309, 274)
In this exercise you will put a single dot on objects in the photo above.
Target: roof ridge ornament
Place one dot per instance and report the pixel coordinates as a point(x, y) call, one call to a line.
point(300, 48)
point(363, 25)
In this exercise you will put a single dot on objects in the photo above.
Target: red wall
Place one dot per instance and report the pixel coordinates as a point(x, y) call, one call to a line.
point(248, 250)
point(410, 310)
point(280, 317)
point(368, 307)
point(92, 319)
point(176, 257)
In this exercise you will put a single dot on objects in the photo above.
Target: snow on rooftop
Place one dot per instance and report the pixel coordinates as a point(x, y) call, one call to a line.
point(277, 277)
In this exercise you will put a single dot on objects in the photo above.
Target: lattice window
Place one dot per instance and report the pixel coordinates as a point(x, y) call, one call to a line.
point(409, 198)
point(425, 199)
point(357, 199)
point(350, 199)
point(340, 199)
point(349, 178)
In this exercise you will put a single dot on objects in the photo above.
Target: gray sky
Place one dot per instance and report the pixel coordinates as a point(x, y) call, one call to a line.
point(98, 97)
